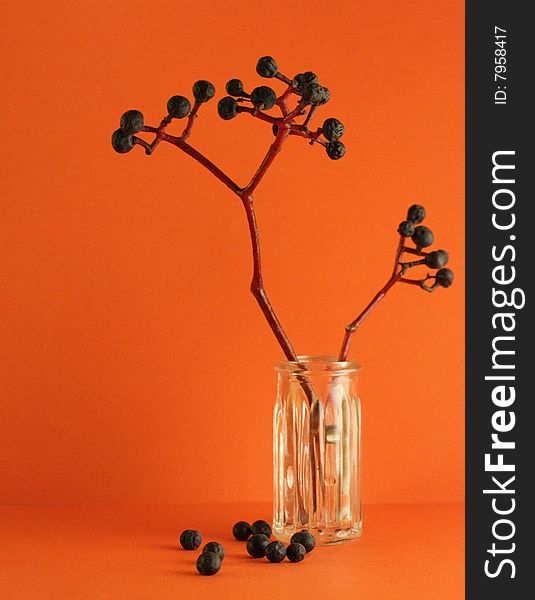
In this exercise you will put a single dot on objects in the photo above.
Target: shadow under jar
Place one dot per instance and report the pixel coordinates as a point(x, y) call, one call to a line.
point(316, 450)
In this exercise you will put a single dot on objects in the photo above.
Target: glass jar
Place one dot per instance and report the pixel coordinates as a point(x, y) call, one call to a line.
point(316, 450)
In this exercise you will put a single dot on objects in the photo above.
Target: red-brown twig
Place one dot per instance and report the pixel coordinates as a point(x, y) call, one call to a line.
point(245, 194)
point(396, 276)
point(313, 136)
point(191, 120)
point(258, 114)
point(282, 101)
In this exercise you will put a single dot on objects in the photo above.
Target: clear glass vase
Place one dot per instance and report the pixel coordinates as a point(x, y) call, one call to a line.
point(316, 450)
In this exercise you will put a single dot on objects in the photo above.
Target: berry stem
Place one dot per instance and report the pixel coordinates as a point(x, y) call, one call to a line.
point(421, 283)
point(417, 251)
point(257, 114)
point(413, 263)
point(283, 78)
point(143, 144)
point(296, 112)
point(274, 149)
point(309, 116)
point(205, 162)
point(399, 252)
point(356, 323)
point(191, 120)
point(313, 136)
point(282, 101)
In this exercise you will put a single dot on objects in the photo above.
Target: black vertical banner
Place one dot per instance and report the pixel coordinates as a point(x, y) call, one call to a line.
point(500, 265)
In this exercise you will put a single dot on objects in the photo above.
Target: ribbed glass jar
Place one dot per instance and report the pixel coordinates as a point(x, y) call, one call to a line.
point(317, 450)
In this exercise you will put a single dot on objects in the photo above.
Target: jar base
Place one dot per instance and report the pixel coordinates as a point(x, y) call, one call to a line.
point(328, 536)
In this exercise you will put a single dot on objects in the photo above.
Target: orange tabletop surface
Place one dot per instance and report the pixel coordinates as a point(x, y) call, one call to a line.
point(407, 552)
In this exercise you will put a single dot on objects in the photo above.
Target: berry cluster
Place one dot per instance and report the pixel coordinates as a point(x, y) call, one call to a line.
point(310, 96)
point(212, 555)
point(422, 237)
point(258, 545)
point(178, 107)
point(263, 98)
point(310, 93)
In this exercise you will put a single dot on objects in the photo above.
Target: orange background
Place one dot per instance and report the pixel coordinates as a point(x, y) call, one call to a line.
point(135, 364)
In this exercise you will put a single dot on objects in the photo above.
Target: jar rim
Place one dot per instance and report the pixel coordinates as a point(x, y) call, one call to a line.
point(318, 364)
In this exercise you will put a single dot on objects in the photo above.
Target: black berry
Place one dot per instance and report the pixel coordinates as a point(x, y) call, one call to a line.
point(256, 545)
point(263, 97)
point(416, 214)
point(208, 563)
point(132, 121)
point(267, 67)
point(406, 228)
point(316, 94)
point(203, 90)
point(437, 259)
point(304, 538)
point(178, 107)
point(296, 552)
point(444, 277)
point(242, 531)
point(422, 237)
point(304, 79)
point(234, 87)
point(216, 548)
point(335, 150)
point(190, 539)
point(227, 108)
point(261, 526)
point(275, 552)
point(332, 129)
point(121, 141)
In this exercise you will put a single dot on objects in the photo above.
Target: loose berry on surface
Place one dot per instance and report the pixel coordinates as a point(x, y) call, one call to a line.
point(178, 107)
point(263, 97)
point(203, 90)
point(406, 228)
point(444, 277)
point(227, 108)
point(256, 545)
point(208, 563)
point(242, 531)
point(332, 129)
point(267, 67)
point(190, 539)
point(132, 121)
point(437, 259)
point(416, 213)
point(335, 150)
point(275, 552)
point(296, 552)
point(121, 141)
point(423, 237)
point(261, 526)
point(305, 538)
point(216, 548)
